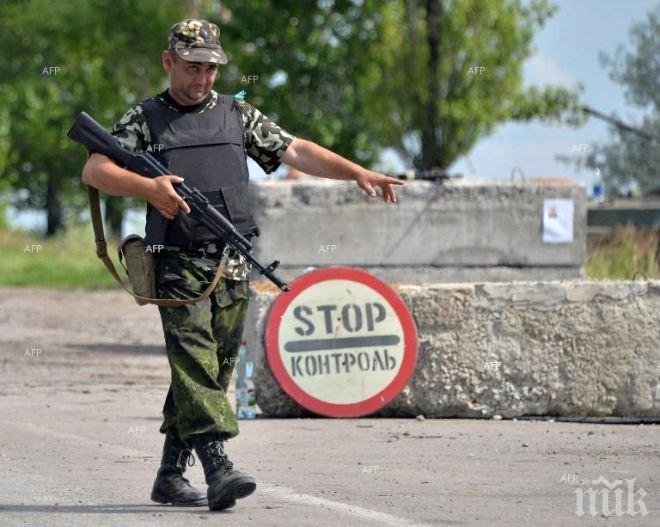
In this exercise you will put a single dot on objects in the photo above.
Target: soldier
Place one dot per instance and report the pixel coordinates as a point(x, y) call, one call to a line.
point(204, 137)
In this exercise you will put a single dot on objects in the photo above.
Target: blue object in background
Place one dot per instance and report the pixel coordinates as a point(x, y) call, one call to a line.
point(245, 392)
point(598, 191)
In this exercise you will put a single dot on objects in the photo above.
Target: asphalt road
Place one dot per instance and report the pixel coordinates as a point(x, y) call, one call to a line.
point(82, 382)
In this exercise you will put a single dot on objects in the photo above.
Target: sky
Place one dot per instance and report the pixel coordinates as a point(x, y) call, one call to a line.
point(567, 51)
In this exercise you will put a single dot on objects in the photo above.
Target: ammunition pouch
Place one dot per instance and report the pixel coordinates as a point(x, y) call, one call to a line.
point(139, 266)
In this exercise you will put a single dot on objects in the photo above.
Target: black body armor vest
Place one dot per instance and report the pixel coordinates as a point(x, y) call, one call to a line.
point(208, 151)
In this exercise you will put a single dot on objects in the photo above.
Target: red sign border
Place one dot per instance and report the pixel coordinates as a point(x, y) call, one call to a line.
point(377, 401)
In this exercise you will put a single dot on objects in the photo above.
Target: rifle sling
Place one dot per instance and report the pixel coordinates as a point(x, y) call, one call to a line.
point(102, 253)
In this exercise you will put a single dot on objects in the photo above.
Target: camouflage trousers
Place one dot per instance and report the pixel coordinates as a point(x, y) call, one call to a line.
point(202, 340)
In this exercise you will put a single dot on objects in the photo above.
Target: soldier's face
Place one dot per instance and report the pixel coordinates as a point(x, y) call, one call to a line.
point(190, 82)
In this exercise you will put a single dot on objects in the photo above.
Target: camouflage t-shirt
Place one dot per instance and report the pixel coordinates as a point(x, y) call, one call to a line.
point(265, 141)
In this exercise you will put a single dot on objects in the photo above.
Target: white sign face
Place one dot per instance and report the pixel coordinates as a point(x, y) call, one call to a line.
point(341, 342)
point(558, 221)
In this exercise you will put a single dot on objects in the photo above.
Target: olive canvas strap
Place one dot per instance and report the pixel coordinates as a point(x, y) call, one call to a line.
point(102, 253)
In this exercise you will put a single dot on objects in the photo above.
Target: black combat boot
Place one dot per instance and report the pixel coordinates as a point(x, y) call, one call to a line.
point(170, 485)
point(226, 485)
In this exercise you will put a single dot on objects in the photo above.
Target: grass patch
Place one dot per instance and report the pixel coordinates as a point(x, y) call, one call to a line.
point(69, 260)
point(65, 261)
point(623, 253)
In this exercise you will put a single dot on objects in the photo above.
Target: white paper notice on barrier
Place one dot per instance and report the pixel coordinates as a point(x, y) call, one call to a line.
point(558, 220)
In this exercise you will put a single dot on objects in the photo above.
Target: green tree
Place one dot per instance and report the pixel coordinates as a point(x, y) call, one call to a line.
point(346, 73)
point(360, 75)
point(632, 159)
point(108, 56)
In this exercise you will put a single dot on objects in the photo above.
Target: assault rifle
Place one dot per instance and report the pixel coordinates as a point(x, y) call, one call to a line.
point(431, 174)
point(89, 133)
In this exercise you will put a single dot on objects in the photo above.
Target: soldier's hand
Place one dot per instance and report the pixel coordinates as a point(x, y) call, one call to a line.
point(367, 179)
point(165, 199)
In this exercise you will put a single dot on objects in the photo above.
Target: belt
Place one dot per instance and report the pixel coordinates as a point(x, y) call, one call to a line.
point(204, 248)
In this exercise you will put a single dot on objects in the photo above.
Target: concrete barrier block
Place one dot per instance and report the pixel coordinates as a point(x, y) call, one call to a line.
point(571, 348)
point(456, 225)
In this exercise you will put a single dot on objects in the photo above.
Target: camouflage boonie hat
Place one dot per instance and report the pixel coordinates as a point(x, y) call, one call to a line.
point(197, 40)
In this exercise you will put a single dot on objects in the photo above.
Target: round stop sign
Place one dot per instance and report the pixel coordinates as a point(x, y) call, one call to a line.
point(341, 342)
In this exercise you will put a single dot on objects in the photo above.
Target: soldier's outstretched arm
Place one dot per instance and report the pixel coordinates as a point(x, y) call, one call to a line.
point(313, 159)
